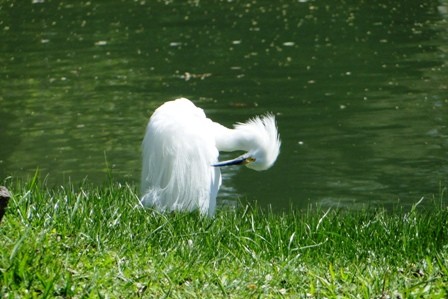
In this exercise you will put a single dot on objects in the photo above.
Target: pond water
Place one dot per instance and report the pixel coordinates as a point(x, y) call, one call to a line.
point(360, 90)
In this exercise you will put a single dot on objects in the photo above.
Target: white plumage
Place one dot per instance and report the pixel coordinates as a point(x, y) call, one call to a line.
point(180, 168)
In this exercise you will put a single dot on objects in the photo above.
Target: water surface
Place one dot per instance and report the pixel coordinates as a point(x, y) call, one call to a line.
point(359, 89)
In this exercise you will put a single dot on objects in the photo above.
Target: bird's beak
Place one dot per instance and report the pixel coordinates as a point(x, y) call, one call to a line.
point(241, 160)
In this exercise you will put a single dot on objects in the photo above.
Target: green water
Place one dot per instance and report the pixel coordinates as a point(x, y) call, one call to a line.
point(360, 89)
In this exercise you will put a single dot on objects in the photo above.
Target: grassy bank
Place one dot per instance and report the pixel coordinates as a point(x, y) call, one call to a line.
point(96, 242)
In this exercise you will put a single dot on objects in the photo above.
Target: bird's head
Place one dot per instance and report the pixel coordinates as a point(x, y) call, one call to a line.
point(261, 139)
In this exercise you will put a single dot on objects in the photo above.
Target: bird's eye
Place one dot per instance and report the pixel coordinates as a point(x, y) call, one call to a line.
point(250, 160)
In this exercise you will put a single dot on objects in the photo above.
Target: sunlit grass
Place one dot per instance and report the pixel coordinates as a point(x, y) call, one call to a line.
point(93, 241)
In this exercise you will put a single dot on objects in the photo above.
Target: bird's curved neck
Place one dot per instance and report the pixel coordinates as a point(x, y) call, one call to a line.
point(229, 140)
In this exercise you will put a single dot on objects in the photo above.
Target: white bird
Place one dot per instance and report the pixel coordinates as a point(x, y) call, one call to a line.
point(180, 170)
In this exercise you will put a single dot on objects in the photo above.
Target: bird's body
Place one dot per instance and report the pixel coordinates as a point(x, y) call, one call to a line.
point(180, 155)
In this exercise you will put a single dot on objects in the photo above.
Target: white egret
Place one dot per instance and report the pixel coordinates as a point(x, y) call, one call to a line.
point(180, 155)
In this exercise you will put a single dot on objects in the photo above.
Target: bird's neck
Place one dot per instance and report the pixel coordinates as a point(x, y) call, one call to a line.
point(229, 140)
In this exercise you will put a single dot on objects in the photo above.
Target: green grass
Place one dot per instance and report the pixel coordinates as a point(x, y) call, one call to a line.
point(90, 242)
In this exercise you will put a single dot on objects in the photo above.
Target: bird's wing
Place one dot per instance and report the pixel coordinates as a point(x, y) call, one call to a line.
point(178, 151)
